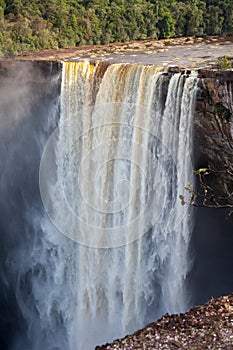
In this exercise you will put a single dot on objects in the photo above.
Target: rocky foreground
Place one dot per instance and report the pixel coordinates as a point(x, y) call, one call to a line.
point(204, 327)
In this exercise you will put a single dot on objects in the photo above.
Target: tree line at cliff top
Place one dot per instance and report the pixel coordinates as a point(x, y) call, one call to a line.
point(27, 25)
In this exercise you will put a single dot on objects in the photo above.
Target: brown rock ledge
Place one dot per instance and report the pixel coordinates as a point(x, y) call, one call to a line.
point(203, 327)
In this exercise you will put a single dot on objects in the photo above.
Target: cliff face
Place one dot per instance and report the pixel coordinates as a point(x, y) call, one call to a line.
point(213, 127)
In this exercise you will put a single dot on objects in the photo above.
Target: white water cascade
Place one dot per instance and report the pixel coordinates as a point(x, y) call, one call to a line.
point(122, 159)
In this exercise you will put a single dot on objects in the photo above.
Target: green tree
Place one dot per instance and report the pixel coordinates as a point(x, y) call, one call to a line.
point(166, 24)
point(33, 24)
point(214, 20)
point(227, 9)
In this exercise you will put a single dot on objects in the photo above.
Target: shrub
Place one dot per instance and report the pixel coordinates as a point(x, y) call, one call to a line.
point(224, 63)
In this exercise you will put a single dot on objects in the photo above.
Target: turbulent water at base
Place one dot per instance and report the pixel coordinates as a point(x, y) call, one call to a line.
point(122, 160)
point(110, 179)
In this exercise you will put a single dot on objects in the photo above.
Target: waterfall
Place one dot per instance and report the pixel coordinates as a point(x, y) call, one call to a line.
point(110, 180)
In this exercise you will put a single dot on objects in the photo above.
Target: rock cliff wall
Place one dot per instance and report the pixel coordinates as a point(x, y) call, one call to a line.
point(213, 127)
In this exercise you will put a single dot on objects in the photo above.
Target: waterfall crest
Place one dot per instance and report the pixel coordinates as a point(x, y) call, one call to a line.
point(122, 159)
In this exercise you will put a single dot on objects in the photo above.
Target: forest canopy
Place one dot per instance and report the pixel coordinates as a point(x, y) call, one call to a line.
point(27, 25)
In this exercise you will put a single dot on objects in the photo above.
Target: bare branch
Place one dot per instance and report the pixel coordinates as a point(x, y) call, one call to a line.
point(204, 196)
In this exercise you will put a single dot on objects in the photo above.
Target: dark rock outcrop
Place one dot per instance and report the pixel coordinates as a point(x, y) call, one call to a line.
point(213, 127)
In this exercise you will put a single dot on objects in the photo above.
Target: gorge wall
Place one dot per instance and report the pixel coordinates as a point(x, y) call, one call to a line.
point(212, 237)
point(30, 112)
point(213, 125)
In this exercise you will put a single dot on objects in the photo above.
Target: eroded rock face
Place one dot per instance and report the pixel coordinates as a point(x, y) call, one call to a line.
point(213, 127)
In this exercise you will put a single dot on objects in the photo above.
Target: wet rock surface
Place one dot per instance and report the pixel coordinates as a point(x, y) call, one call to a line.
point(213, 127)
point(187, 52)
point(203, 327)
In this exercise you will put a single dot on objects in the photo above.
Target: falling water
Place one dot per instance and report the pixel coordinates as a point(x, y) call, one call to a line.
point(122, 159)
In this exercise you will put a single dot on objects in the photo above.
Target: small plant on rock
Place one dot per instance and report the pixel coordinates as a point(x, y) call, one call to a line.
point(224, 63)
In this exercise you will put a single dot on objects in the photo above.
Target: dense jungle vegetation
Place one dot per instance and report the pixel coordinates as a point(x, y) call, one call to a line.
point(43, 24)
